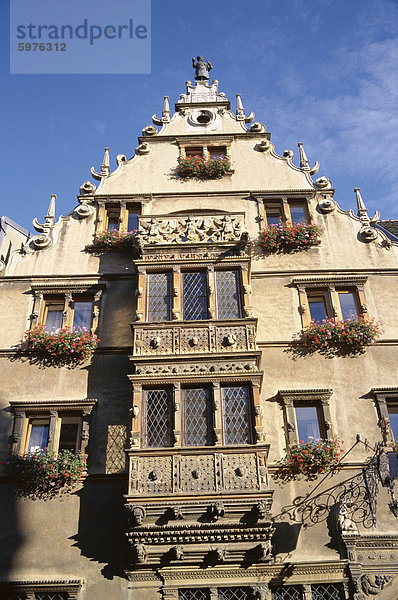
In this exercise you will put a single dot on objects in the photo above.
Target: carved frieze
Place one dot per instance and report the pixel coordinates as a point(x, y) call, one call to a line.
point(185, 339)
point(198, 473)
point(243, 366)
point(191, 229)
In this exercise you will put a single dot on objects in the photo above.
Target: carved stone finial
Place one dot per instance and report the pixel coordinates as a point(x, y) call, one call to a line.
point(143, 148)
point(88, 187)
point(323, 183)
point(166, 110)
point(202, 68)
point(45, 239)
point(240, 111)
point(105, 167)
point(305, 163)
point(367, 233)
point(326, 204)
point(263, 146)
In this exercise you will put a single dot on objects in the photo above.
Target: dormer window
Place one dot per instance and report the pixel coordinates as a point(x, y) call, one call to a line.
point(120, 217)
point(285, 212)
point(205, 151)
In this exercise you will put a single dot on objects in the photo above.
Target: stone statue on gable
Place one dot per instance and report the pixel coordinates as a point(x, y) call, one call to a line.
point(202, 68)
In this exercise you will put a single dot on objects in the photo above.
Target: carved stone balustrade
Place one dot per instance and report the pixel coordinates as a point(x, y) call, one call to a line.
point(191, 229)
point(165, 339)
point(199, 472)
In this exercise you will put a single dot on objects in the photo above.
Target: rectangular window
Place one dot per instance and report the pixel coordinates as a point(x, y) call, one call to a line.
point(274, 215)
point(159, 296)
point(217, 151)
point(392, 408)
point(159, 425)
point(194, 594)
point(317, 306)
point(228, 298)
point(198, 425)
point(348, 305)
point(83, 314)
point(37, 435)
point(194, 296)
point(112, 221)
point(53, 314)
point(237, 415)
point(69, 434)
point(327, 591)
point(194, 151)
point(288, 592)
point(298, 213)
point(132, 221)
point(308, 421)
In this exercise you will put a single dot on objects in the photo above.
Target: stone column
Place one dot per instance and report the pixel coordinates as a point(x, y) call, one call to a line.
point(177, 414)
point(176, 308)
point(137, 419)
point(217, 414)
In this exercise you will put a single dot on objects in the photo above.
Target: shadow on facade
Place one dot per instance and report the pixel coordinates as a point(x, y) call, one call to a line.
point(10, 534)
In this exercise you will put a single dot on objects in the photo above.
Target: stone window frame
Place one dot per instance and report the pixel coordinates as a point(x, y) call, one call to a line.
point(29, 589)
point(328, 287)
point(120, 208)
point(283, 205)
point(384, 396)
point(67, 293)
point(204, 144)
point(317, 397)
point(138, 434)
point(177, 290)
point(52, 410)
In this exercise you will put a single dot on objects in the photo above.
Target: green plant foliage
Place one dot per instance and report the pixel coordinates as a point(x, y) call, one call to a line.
point(69, 343)
point(351, 334)
point(42, 473)
point(314, 456)
point(284, 237)
point(202, 168)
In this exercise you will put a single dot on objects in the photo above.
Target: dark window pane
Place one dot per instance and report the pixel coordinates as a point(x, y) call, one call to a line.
point(347, 304)
point(38, 437)
point(327, 591)
point(393, 417)
point(317, 309)
point(113, 223)
point(288, 592)
point(159, 296)
point(194, 594)
point(217, 152)
point(159, 420)
point(194, 151)
point(82, 314)
point(54, 316)
point(297, 213)
point(233, 594)
point(197, 417)
point(237, 417)
point(228, 295)
point(307, 422)
point(132, 222)
point(194, 296)
point(68, 436)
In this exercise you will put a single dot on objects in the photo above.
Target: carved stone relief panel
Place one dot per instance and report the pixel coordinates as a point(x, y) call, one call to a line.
point(195, 340)
point(157, 341)
point(197, 473)
point(230, 339)
point(188, 229)
point(240, 472)
point(155, 475)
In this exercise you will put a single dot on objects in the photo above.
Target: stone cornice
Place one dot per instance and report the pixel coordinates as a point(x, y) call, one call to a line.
point(329, 279)
point(306, 394)
point(47, 405)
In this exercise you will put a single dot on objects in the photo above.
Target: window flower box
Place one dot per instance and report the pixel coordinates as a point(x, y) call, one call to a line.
point(41, 473)
point(285, 237)
point(114, 240)
point(314, 456)
point(70, 344)
point(202, 168)
point(350, 335)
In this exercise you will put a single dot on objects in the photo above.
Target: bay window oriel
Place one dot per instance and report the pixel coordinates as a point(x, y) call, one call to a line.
point(193, 295)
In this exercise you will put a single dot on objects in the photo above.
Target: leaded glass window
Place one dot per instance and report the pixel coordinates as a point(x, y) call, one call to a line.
point(228, 294)
point(52, 595)
point(194, 594)
point(158, 418)
point(198, 430)
point(288, 592)
point(159, 296)
point(194, 296)
point(327, 591)
point(237, 415)
point(233, 594)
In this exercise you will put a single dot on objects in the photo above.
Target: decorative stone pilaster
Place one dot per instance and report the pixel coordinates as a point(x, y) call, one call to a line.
point(177, 414)
point(136, 420)
point(217, 414)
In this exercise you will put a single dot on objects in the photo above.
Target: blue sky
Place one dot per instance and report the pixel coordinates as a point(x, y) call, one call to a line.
point(322, 72)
